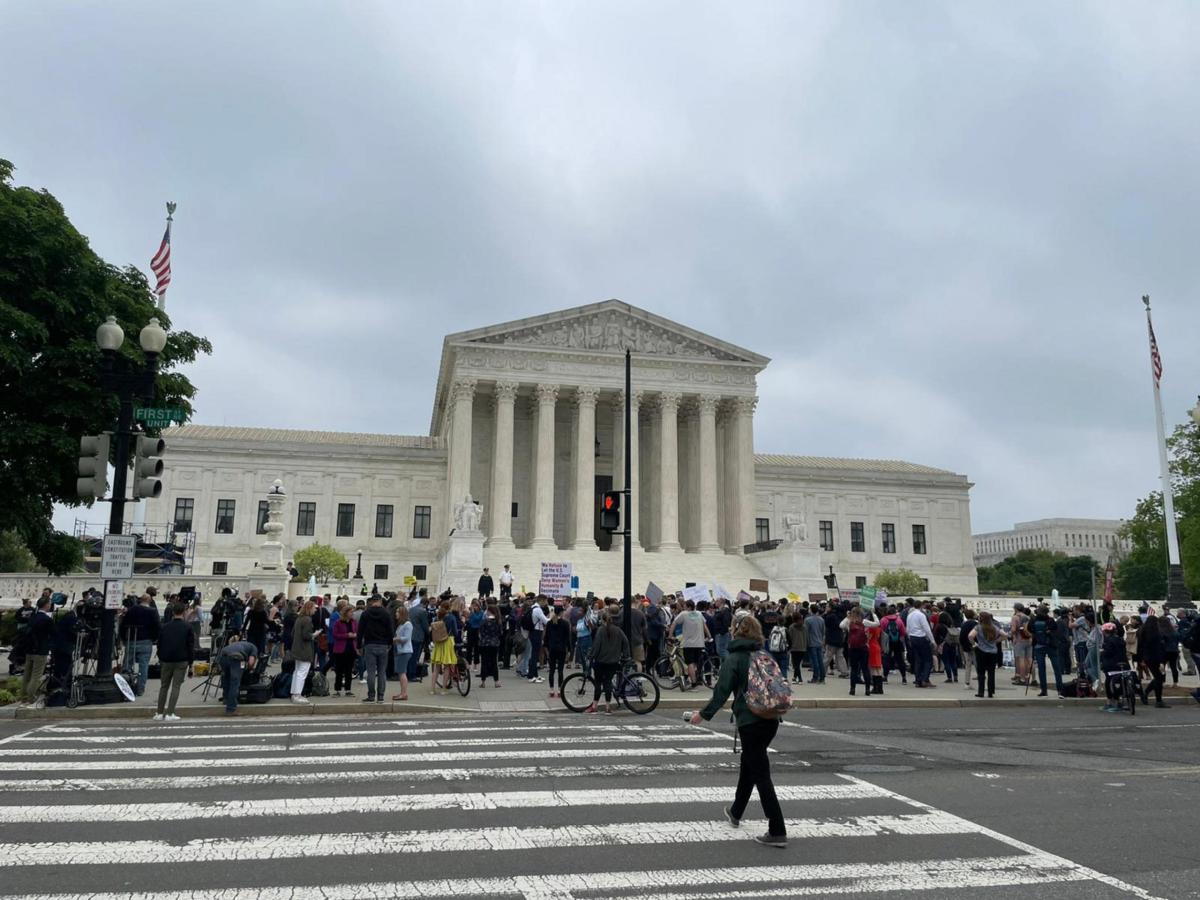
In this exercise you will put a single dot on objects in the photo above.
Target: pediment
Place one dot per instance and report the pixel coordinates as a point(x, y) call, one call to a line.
point(611, 326)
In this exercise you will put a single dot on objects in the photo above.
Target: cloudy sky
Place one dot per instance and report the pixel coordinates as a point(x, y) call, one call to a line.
point(936, 219)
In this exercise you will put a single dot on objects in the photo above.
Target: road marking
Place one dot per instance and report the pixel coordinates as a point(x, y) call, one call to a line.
point(399, 803)
point(182, 754)
point(455, 756)
point(741, 881)
point(13, 738)
point(502, 838)
point(189, 782)
point(1090, 874)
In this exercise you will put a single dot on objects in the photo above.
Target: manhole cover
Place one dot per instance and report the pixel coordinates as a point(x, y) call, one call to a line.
point(877, 770)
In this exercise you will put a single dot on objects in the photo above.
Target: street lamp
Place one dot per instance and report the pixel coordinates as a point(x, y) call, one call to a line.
point(358, 568)
point(1194, 412)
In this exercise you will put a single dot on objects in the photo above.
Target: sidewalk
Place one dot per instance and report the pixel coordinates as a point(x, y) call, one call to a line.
point(517, 695)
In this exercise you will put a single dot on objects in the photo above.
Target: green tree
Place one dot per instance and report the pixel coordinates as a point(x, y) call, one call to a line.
point(322, 561)
point(14, 555)
point(54, 292)
point(899, 582)
point(1025, 572)
point(1075, 575)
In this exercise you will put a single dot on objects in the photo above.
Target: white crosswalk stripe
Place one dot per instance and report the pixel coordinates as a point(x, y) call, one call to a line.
point(538, 808)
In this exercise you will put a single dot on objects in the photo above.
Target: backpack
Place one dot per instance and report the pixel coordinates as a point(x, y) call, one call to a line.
point(527, 619)
point(320, 685)
point(438, 631)
point(768, 694)
point(281, 686)
point(777, 643)
point(893, 631)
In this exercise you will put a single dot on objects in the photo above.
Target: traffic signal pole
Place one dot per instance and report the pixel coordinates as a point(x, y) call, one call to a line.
point(116, 524)
point(628, 503)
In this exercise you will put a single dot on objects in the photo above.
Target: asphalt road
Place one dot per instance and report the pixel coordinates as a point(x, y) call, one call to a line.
point(1026, 802)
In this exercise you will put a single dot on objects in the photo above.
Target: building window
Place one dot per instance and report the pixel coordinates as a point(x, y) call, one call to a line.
point(345, 520)
point(514, 511)
point(826, 534)
point(762, 530)
point(260, 527)
point(383, 521)
point(889, 537)
point(419, 573)
point(184, 507)
point(924, 585)
point(306, 519)
point(381, 572)
point(919, 539)
point(225, 510)
point(858, 538)
point(860, 581)
point(421, 516)
point(220, 568)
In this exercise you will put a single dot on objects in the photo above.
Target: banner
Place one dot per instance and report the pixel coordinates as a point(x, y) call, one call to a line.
point(866, 598)
point(759, 584)
point(555, 580)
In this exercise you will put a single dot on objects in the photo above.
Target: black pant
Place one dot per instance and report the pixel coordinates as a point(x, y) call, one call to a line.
point(602, 676)
point(756, 774)
point(1173, 662)
point(858, 668)
point(1156, 682)
point(487, 664)
point(797, 658)
point(894, 659)
point(555, 661)
point(472, 646)
point(343, 667)
point(985, 664)
point(535, 649)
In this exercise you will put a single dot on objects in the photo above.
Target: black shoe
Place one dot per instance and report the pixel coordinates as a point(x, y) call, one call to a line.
point(368, 700)
point(772, 840)
point(980, 696)
point(1041, 693)
point(1161, 705)
point(733, 820)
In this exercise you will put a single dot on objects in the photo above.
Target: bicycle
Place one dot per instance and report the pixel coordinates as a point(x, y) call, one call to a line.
point(460, 676)
point(1129, 689)
point(671, 669)
point(636, 690)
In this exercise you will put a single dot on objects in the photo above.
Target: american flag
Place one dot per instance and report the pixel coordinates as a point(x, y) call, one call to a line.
point(161, 264)
point(1155, 359)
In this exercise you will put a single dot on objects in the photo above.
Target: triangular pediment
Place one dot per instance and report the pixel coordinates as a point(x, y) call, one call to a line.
point(610, 326)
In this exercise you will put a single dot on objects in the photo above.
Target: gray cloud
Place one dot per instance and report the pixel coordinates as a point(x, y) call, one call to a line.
point(937, 219)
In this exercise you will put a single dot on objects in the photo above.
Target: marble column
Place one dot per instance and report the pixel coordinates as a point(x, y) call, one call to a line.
point(709, 535)
point(500, 533)
point(546, 396)
point(744, 424)
point(630, 509)
point(584, 537)
point(458, 473)
point(668, 471)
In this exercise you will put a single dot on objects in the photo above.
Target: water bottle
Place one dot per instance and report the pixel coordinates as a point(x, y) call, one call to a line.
point(687, 717)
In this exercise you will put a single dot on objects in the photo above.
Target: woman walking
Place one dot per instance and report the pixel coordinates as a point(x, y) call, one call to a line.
point(490, 635)
point(403, 644)
point(1152, 653)
point(442, 657)
point(986, 638)
point(610, 649)
point(558, 638)
point(756, 733)
point(344, 654)
point(303, 650)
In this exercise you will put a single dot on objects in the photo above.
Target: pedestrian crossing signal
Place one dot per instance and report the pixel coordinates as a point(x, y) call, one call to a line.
point(610, 511)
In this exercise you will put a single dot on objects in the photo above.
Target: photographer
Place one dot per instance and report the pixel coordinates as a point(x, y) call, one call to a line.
point(38, 648)
point(176, 652)
point(235, 658)
point(16, 656)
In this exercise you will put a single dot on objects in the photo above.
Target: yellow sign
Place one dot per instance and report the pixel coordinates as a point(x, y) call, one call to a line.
point(794, 597)
point(410, 579)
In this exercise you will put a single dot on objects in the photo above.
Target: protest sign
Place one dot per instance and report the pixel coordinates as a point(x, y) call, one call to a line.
point(759, 584)
point(866, 598)
point(719, 591)
point(696, 593)
point(653, 592)
point(555, 580)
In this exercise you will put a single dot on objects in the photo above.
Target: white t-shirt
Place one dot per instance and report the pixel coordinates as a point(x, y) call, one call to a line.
point(692, 635)
point(918, 626)
point(506, 578)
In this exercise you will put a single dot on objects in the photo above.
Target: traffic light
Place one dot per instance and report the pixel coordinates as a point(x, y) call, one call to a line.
point(147, 467)
point(93, 466)
point(610, 511)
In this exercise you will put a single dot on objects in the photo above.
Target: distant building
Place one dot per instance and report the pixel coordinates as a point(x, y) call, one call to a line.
point(1097, 538)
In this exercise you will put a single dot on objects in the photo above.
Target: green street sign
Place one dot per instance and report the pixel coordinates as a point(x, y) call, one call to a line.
point(159, 416)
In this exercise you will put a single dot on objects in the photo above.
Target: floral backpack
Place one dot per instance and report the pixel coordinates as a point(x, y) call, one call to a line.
point(768, 694)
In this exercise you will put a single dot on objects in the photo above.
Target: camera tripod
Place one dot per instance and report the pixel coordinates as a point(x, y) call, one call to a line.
point(212, 682)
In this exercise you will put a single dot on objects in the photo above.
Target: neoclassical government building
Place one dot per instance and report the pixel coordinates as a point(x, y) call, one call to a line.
point(527, 428)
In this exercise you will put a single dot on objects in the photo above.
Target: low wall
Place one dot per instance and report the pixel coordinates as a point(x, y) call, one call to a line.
point(15, 587)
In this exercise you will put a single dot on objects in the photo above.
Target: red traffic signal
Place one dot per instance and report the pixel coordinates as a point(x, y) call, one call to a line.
point(610, 511)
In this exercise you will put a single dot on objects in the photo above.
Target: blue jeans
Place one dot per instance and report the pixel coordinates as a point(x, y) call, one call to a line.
point(782, 659)
point(950, 660)
point(142, 651)
point(231, 681)
point(922, 658)
point(816, 661)
point(523, 659)
point(535, 649)
point(722, 641)
point(583, 646)
point(1039, 657)
point(376, 657)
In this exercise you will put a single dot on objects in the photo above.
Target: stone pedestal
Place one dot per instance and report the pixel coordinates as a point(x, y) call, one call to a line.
point(791, 567)
point(270, 560)
point(461, 562)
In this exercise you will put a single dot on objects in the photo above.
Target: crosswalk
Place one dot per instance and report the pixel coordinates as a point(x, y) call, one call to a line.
point(530, 806)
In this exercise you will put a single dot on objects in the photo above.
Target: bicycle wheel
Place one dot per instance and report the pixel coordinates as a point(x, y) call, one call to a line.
point(1130, 694)
point(577, 692)
point(463, 681)
point(639, 693)
point(664, 672)
point(708, 672)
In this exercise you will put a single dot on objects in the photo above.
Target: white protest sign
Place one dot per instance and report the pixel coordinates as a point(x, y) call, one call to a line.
point(114, 592)
point(719, 591)
point(653, 592)
point(555, 580)
point(696, 593)
point(116, 561)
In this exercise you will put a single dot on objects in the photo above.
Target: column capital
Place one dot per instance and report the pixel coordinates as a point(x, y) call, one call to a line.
point(639, 398)
point(463, 389)
point(707, 404)
point(586, 396)
point(546, 394)
point(506, 391)
point(745, 405)
point(668, 401)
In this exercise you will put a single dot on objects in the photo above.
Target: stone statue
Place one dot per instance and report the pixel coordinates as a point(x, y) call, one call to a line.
point(468, 515)
point(795, 529)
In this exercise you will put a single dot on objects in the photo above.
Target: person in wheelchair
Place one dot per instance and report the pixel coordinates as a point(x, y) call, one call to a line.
point(1113, 662)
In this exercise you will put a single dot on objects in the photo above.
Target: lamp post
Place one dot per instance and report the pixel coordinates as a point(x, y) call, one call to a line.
point(358, 568)
point(128, 384)
point(1194, 412)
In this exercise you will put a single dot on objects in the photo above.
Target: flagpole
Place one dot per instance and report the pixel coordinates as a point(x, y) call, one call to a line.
point(1177, 591)
point(162, 298)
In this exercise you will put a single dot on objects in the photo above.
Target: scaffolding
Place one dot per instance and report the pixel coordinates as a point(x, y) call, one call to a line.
point(161, 549)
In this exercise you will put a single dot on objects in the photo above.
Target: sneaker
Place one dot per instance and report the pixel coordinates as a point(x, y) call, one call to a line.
point(380, 700)
point(771, 840)
point(171, 717)
point(158, 717)
point(300, 700)
point(539, 680)
point(733, 820)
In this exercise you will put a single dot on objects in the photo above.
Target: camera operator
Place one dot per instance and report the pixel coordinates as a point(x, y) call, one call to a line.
point(235, 658)
point(16, 656)
point(176, 652)
point(38, 648)
point(140, 627)
point(62, 645)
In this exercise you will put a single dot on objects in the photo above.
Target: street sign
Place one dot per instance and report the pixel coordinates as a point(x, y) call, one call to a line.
point(114, 592)
point(159, 416)
point(116, 561)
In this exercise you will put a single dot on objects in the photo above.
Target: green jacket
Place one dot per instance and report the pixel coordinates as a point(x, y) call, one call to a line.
point(732, 680)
